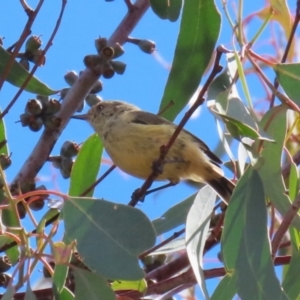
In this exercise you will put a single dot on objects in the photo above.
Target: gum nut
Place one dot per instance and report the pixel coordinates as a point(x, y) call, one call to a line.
point(33, 107)
point(71, 77)
point(5, 264)
point(5, 161)
point(91, 60)
point(38, 58)
point(21, 210)
point(118, 66)
point(92, 99)
point(52, 122)
point(107, 53)
point(52, 107)
point(97, 87)
point(35, 124)
point(119, 50)
point(56, 161)
point(33, 44)
point(100, 43)
point(24, 118)
point(107, 71)
point(146, 46)
point(69, 149)
point(37, 204)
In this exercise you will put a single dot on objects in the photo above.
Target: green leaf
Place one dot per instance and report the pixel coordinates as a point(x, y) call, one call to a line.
point(197, 226)
point(269, 164)
point(167, 9)
point(291, 280)
point(174, 216)
point(226, 288)
point(110, 236)
point(18, 75)
point(138, 285)
point(245, 243)
point(91, 286)
point(4, 149)
point(289, 78)
point(293, 182)
point(199, 30)
point(86, 166)
point(66, 294)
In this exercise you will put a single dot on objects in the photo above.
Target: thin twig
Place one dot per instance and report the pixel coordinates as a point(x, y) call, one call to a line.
point(26, 32)
point(43, 53)
point(284, 225)
point(166, 241)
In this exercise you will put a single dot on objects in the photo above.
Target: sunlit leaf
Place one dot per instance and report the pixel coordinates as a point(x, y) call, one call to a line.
point(226, 289)
point(199, 30)
point(18, 75)
point(269, 165)
point(197, 226)
point(288, 76)
point(167, 9)
point(86, 166)
point(174, 216)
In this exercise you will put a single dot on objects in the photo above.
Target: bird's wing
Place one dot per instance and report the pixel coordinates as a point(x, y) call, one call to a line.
point(143, 117)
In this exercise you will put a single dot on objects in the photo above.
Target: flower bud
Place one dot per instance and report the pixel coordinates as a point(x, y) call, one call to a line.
point(91, 60)
point(92, 99)
point(100, 44)
point(71, 77)
point(118, 50)
point(33, 107)
point(118, 66)
point(107, 71)
point(146, 46)
point(52, 107)
point(5, 161)
point(35, 123)
point(69, 149)
point(33, 44)
point(66, 166)
point(52, 122)
point(4, 280)
point(97, 87)
point(24, 118)
point(107, 53)
point(38, 58)
point(5, 264)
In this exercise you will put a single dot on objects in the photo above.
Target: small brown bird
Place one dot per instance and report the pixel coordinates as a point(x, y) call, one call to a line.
point(133, 138)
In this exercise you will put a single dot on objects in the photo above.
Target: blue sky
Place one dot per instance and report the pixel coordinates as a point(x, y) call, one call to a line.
point(142, 84)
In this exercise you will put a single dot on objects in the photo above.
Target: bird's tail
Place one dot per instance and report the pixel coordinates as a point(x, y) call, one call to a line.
point(223, 187)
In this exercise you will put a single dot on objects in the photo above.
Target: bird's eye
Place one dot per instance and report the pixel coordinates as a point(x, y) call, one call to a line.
point(99, 108)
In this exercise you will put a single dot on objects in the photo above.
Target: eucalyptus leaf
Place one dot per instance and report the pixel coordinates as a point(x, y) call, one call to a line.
point(199, 30)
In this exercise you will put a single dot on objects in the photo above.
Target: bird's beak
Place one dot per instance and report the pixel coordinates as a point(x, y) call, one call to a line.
point(80, 117)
